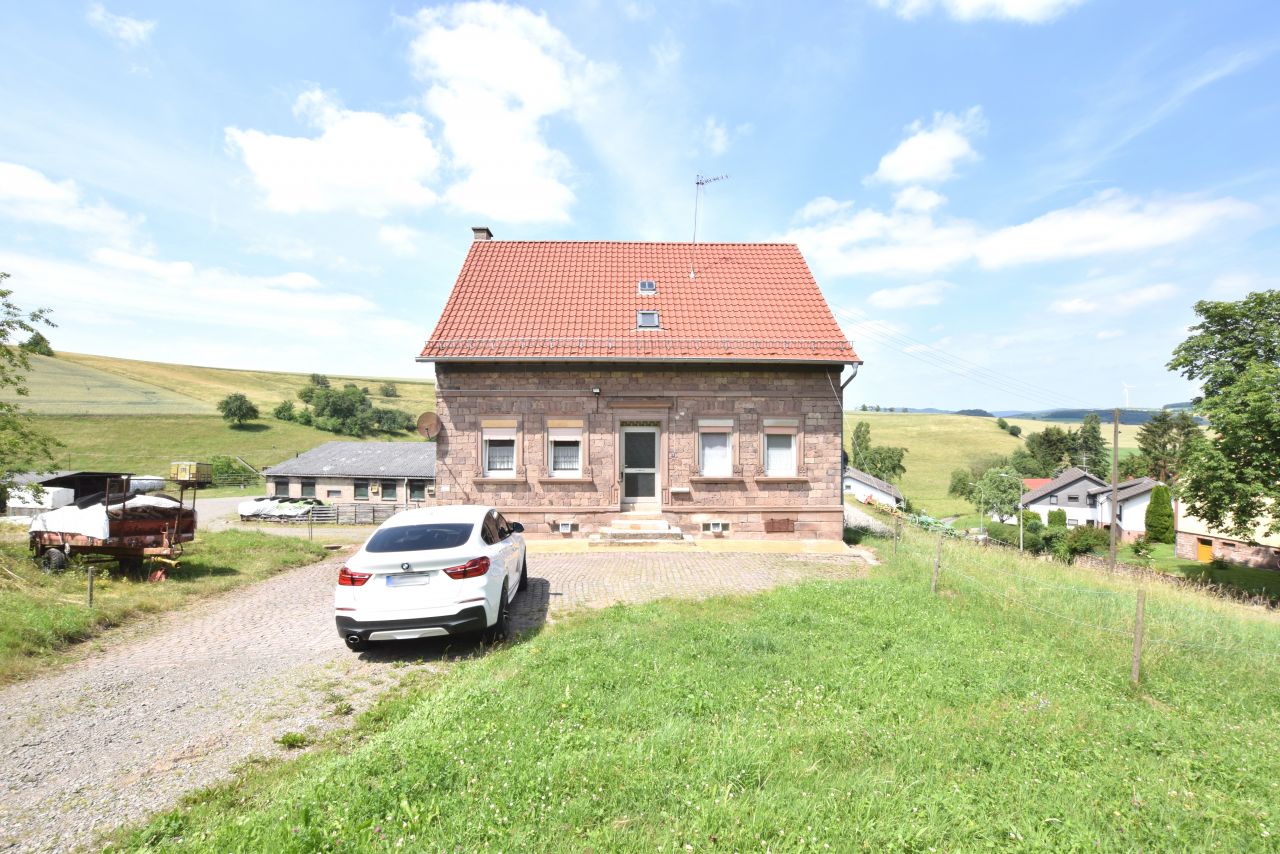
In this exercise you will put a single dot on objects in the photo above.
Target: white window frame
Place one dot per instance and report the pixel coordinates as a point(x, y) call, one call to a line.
point(499, 434)
point(657, 319)
point(564, 435)
point(793, 466)
point(718, 426)
point(645, 292)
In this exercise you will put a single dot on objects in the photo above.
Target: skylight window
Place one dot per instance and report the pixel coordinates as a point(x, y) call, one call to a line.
point(647, 319)
point(646, 286)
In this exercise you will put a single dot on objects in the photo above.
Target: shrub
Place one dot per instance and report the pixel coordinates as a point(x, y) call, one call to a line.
point(319, 381)
point(1142, 548)
point(283, 411)
point(1002, 424)
point(1082, 540)
point(1160, 526)
point(303, 418)
point(1015, 431)
point(37, 344)
point(388, 390)
point(1058, 518)
point(1031, 521)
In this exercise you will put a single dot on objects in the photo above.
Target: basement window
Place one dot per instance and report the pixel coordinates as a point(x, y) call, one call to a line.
point(646, 319)
point(646, 286)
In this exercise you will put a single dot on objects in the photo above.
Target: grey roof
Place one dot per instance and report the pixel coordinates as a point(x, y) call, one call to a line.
point(1128, 489)
point(1067, 478)
point(362, 459)
point(874, 482)
point(23, 478)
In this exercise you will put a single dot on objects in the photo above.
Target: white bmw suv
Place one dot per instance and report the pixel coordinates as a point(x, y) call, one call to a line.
point(429, 572)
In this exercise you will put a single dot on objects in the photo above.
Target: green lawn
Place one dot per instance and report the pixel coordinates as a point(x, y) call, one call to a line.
point(835, 716)
point(147, 444)
point(1264, 582)
point(41, 615)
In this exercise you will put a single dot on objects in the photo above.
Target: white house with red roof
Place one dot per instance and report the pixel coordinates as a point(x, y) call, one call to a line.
point(664, 388)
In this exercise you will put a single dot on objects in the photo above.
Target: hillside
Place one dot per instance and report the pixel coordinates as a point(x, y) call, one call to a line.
point(80, 384)
point(938, 444)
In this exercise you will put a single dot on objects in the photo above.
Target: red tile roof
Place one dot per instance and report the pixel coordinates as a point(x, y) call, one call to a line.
point(1031, 483)
point(578, 300)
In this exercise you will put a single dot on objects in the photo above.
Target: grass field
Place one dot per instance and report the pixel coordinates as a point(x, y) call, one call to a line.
point(833, 716)
point(1264, 582)
point(79, 384)
point(938, 444)
point(42, 615)
point(147, 444)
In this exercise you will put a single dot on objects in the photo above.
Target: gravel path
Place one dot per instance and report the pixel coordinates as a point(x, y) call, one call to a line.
point(175, 705)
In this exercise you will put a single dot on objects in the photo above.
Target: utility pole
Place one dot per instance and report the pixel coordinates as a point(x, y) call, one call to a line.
point(1115, 482)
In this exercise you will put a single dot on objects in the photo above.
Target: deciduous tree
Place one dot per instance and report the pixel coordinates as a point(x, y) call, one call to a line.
point(23, 448)
point(1230, 479)
point(237, 409)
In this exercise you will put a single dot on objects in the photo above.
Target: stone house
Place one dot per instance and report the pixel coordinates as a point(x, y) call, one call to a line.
point(396, 473)
point(583, 384)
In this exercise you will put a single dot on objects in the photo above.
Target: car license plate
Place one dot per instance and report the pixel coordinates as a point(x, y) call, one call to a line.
point(408, 579)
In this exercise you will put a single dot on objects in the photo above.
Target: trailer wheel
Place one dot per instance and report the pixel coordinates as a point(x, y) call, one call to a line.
point(54, 560)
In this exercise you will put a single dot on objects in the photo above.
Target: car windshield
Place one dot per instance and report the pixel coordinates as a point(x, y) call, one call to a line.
point(419, 538)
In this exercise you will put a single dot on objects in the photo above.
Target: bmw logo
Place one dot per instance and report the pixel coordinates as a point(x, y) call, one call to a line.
point(405, 567)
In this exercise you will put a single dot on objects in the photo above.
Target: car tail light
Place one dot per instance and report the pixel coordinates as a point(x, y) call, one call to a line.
point(470, 569)
point(347, 578)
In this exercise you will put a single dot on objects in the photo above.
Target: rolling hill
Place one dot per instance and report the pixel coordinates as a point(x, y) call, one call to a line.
point(937, 444)
point(128, 415)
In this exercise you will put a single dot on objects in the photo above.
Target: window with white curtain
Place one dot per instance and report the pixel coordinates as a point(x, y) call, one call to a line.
point(565, 451)
point(715, 453)
point(780, 454)
point(499, 451)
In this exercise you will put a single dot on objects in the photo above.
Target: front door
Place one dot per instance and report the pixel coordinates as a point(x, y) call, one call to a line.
point(1204, 551)
point(639, 465)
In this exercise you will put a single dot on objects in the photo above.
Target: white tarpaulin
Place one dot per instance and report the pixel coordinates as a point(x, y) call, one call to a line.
point(93, 521)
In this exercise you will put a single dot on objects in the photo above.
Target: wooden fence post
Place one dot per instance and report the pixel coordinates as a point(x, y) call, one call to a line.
point(1135, 669)
point(90, 585)
point(937, 565)
point(897, 533)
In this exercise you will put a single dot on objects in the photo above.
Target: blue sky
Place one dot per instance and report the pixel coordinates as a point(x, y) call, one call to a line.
point(1008, 203)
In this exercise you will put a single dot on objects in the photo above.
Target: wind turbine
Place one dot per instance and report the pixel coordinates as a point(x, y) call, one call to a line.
point(1127, 388)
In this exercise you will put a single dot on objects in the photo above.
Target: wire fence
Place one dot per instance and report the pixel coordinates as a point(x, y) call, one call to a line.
point(1110, 602)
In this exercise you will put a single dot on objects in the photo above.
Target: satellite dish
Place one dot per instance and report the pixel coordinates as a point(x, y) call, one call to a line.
point(429, 425)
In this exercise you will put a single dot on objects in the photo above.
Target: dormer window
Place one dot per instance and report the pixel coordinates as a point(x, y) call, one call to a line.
point(644, 287)
point(646, 320)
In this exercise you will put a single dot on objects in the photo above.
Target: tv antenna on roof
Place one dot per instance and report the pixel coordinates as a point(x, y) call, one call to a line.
point(697, 193)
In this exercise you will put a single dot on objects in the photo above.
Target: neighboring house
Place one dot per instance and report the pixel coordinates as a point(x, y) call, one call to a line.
point(1196, 541)
point(1087, 501)
point(866, 488)
point(401, 473)
point(1030, 484)
point(696, 386)
point(1068, 491)
point(1132, 499)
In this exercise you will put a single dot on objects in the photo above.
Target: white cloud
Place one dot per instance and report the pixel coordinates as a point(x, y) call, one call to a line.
point(666, 53)
point(106, 303)
point(1026, 11)
point(129, 32)
point(1108, 334)
point(715, 137)
point(365, 162)
point(1107, 223)
point(840, 239)
point(918, 199)
point(1075, 305)
point(634, 10)
point(496, 74)
point(29, 196)
point(401, 239)
point(931, 154)
point(910, 296)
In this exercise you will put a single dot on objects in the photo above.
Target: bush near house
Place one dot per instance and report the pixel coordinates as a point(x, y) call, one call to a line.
point(1159, 521)
point(1057, 518)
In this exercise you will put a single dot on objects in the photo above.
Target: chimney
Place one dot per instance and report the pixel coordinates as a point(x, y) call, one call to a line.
point(481, 232)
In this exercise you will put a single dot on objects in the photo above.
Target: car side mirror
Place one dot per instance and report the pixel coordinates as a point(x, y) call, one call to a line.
point(517, 528)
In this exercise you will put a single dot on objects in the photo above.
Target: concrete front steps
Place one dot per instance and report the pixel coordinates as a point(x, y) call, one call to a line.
point(637, 530)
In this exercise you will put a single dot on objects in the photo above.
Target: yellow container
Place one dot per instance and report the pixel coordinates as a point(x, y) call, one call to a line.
point(188, 472)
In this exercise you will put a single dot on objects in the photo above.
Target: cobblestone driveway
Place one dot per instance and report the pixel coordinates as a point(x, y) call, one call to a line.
point(175, 705)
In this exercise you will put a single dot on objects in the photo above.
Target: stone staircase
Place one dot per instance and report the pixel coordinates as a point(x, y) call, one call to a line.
point(638, 529)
